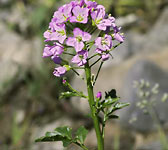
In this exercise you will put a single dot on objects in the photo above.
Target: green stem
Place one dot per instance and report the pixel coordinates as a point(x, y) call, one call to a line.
point(80, 94)
point(100, 141)
point(77, 74)
point(82, 146)
point(98, 72)
point(95, 62)
point(93, 56)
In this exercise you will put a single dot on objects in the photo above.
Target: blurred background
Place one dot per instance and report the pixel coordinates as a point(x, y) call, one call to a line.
point(29, 104)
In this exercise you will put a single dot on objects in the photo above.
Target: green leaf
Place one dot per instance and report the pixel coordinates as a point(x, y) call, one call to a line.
point(68, 94)
point(64, 131)
point(109, 101)
point(81, 134)
point(119, 106)
point(66, 142)
point(60, 134)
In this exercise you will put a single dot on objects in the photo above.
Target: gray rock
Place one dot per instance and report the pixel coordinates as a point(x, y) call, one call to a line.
point(157, 37)
point(148, 71)
point(151, 146)
point(154, 40)
point(17, 55)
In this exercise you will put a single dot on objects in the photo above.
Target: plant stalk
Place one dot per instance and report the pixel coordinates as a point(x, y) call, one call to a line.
point(100, 142)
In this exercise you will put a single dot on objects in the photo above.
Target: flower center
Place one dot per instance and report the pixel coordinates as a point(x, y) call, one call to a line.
point(80, 18)
point(97, 21)
point(65, 18)
point(62, 32)
point(79, 38)
point(104, 42)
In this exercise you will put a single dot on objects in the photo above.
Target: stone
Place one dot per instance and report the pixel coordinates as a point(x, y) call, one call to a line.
point(151, 146)
point(17, 55)
point(158, 35)
point(148, 71)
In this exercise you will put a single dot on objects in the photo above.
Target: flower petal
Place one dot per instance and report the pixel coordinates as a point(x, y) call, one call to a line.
point(71, 41)
point(79, 46)
point(86, 36)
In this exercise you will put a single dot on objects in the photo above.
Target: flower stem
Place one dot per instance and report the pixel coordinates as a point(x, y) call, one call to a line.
point(95, 62)
point(78, 74)
point(100, 141)
point(98, 72)
point(82, 146)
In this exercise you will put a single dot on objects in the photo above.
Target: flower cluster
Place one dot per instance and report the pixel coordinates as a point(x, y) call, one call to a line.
point(72, 26)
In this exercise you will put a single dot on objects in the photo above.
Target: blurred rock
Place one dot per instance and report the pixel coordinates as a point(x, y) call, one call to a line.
point(16, 55)
point(3, 2)
point(127, 20)
point(151, 146)
point(157, 37)
point(149, 72)
point(135, 43)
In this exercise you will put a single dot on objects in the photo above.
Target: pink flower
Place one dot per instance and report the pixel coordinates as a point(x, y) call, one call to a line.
point(53, 52)
point(57, 33)
point(60, 71)
point(63, 14)
point(80, 58)
point(98, 17)
point(80, 15)
point(104, 43)
point(78, 40)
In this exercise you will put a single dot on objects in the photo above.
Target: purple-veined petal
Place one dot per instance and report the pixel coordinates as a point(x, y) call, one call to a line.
point(86, 36)
point(76, 10)
point(71, 41)
point(76, 59)
point(60, 71)
point(57, 50)
point(47, 34)
point(119, 37)
point(61, 39)
point(98, 41)
point(105, 57)
point(77, 32)
point(73, 19)
point(82, 62)
point(47, 52)
point(79, 46)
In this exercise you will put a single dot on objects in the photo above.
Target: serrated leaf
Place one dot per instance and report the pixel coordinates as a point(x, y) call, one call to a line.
point(81, 134)
point(66, 142)
point(60, 134)
point(68, 94)
point(109, 101)
point(119, 106)
point(64, 131)
point(50, 138)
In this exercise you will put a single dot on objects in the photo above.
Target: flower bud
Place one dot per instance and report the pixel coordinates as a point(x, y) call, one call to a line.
point(99, 95)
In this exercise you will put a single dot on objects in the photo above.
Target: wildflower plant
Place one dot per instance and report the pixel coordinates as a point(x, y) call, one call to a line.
point(71, 33)
point(148, 95)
